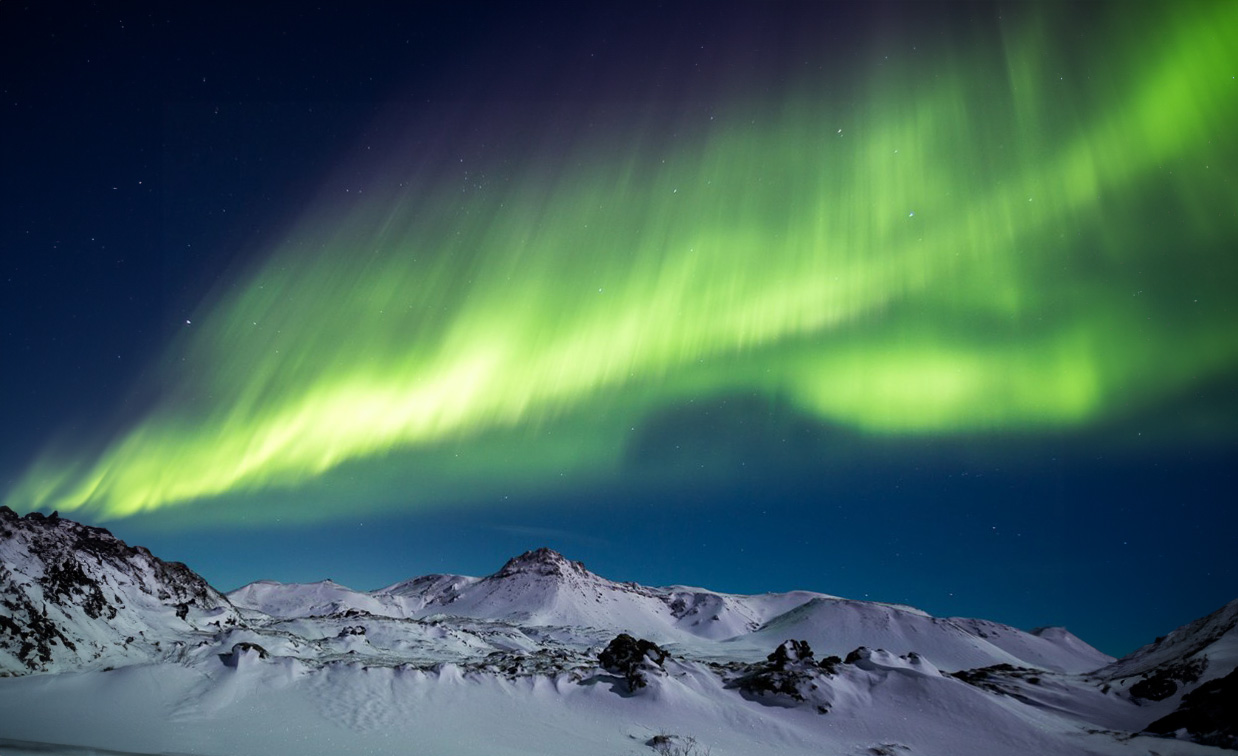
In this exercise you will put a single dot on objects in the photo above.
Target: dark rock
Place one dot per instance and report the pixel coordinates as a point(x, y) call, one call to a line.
point(1155, 688)
point(82, 574)
point(790, 651)
point(67, 580)
point(25, 628)
point(998, 678)
point(246, 646)
point(633, 658)
point(233, 657)
point(1208, 714)
point(1164, 682)
point(788, 671)
point(543, 561)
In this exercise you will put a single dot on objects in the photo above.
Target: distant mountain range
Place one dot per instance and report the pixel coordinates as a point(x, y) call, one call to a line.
point(105, 646)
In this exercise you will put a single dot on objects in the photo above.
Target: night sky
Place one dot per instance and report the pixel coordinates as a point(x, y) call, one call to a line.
point(923, 303)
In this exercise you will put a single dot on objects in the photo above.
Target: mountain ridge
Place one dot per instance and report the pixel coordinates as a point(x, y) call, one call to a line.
point(543, 587)
point(77, 596)
point(542, 636)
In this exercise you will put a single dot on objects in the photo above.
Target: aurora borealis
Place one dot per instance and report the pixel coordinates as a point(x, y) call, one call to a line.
point(1008, 227)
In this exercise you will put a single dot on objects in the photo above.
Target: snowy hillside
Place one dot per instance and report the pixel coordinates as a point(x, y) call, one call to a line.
point(543, 589)
point(545, 657)
point(75, 597)
point(1187, 678)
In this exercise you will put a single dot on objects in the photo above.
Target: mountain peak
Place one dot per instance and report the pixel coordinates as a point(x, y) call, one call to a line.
point(541, 561)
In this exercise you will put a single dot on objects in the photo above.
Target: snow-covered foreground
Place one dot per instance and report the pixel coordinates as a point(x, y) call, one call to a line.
point(284, 707)
point(109, 650)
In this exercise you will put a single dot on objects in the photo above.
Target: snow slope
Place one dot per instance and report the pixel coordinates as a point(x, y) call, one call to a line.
point(75, 597)
point(511, 663)
point(543, 589)
point(1214, 638)
point(1186, 681)
point(887, 704)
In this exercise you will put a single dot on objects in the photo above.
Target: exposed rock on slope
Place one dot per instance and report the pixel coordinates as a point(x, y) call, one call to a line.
point(1186, 679)
point(789, 671)
point(77, 597)
point(532, 640)
point(633, 658)
point(1208, 714)
point(1184, 655)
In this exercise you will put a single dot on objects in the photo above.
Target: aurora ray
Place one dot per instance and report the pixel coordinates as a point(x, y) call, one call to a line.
point(960, 250)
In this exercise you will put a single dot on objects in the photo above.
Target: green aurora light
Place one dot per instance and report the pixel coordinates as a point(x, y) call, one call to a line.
point(980, 242)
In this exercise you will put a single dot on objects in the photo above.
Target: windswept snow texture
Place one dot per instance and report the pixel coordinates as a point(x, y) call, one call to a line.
point(509, 664)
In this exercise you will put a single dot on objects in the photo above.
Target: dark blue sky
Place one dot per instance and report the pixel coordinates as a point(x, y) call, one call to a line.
point(149, 157)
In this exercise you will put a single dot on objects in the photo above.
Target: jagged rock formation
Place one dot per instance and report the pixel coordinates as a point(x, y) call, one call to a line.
point(790, 671)
point(634, 658)
point(544, 562)
point(75, 596)
point(1186, 679)
point(1208, 714)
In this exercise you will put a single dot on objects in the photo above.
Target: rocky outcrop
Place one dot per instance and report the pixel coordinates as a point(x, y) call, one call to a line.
point(634, 658)
point(1163, 682)
point(74, 596)
point(1206, 715)
point(543, 561)
point(789, 671)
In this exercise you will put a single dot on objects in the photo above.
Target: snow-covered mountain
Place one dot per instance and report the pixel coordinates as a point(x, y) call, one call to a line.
point(75, 597)
point(545, 657)
point(1187, 678)
point(543, 589)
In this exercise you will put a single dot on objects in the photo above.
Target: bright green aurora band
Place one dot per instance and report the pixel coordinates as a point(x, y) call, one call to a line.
point(1003, 236)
